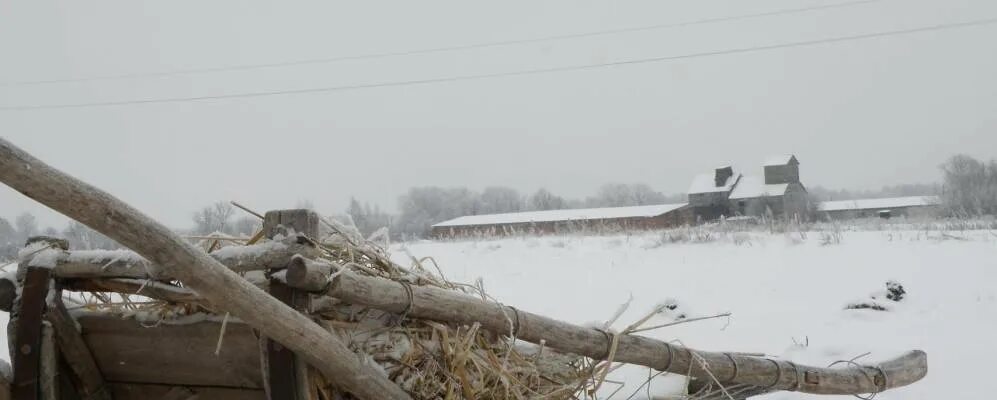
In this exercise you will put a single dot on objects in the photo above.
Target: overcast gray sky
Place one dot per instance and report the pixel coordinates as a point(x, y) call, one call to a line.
point(858, 114)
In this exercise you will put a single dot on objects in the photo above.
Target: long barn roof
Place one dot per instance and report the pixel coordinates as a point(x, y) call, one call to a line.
point(580, 214)
point(879, 204)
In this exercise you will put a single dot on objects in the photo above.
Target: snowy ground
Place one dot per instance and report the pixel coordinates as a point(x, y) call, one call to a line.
point(786, 294)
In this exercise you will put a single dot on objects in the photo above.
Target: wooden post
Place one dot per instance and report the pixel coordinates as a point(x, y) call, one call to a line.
point(219, 285)
point(285, 376)
point(28, 333)
point(49, 364)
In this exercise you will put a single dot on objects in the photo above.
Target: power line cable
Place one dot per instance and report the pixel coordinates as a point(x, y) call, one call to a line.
point(519, 73)
point(244, 67)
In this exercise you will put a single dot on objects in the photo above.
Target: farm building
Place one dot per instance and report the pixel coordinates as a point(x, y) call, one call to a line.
point(884, 208)
point(552, 221)
point(726, 193)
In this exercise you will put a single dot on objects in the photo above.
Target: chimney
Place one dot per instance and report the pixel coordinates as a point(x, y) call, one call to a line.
point(722, 174)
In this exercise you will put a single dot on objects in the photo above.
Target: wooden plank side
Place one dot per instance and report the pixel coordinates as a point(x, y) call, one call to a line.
point(184, 355)
point(74, 350)
point(134, 391)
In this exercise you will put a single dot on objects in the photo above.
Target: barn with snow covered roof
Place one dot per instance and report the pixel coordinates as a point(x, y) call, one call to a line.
point(777, 193)
point(884, 208)
point(554, 221)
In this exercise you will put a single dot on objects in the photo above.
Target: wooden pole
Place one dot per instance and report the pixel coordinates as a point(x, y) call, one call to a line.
point(286, 376)
point(447, 306)
point(218, 284)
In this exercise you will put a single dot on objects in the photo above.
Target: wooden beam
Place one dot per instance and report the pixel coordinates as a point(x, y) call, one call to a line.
point(141, 287)
point(217, 283)
point(309, 275)
point(28, 337)
point(88, 378)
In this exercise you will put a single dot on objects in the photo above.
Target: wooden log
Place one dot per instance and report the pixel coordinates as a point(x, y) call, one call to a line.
point(448, 306)
point(88, 378)
point(124, 264)
point(309, 275)
point(217, 283)
point(141, 287)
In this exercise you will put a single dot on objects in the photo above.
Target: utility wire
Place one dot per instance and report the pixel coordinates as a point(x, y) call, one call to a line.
point(742, 50)
point(245, 67)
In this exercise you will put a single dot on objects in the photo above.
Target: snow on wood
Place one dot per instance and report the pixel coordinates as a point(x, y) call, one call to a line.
point(38, 254)
point(750, 187)
point(879, 204)
point(705, 183)
point(127, 257)
point(564, 215)
point(241, 253)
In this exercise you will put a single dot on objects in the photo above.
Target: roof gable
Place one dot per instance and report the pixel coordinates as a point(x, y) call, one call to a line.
point(705, 183)
point(782, 159)
point(752, 186)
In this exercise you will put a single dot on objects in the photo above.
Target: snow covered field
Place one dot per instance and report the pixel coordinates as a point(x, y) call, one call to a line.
point(786, 293)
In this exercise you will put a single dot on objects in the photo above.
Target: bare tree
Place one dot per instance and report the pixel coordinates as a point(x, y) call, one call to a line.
point(8, 240)
point(26, 226)
point(214, 218)
point(543, 199)
point(246, 226)
point(82, 237)
point(622, 194)
point(970, 186)
point(499, 199)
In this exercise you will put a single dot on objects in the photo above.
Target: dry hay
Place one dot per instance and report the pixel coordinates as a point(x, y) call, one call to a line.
point(433, 360)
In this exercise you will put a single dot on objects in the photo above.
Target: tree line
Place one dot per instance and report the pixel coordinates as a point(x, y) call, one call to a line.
point(968, 188)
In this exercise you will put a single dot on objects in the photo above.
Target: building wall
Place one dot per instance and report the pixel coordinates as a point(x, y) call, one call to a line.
point(913, 211)
point(796, 202)
point(679, 217)
point(708, 199)
point(789, 173)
